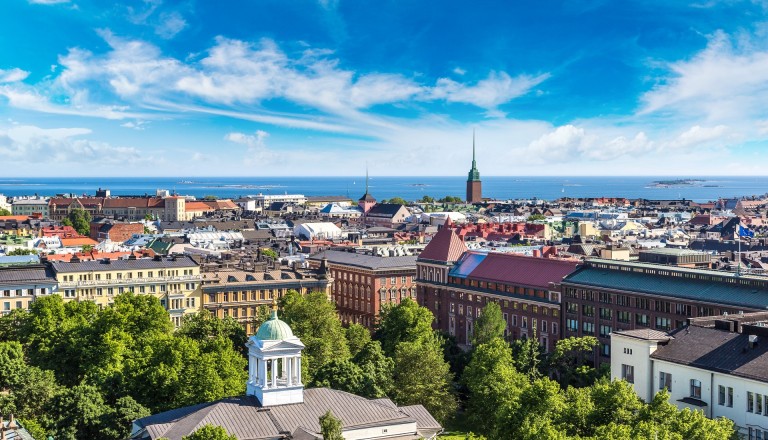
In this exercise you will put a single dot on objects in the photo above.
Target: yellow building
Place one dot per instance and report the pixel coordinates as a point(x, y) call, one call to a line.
point(20, 285)
point(238, 293)
point(174, 280)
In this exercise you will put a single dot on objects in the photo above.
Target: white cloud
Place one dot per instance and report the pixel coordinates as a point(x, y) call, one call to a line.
point(727, 81)
point(136, 125)
point(170, 24)
point(47, 2)
point(459, 71)
point(257, 152)
point(13, 75)
point(698, 136)
point(564, 143)
point(61, 145)
point(498, 88)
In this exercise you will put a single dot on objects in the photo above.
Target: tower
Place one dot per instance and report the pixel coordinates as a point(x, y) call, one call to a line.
point(474, 185)
point(367, 201)
point(274, 363)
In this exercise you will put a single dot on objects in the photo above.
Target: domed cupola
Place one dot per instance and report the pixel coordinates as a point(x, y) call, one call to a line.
point(274, 363)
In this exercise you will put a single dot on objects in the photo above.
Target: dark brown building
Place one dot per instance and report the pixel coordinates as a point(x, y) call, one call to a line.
point(607, 295)
point(363, 283)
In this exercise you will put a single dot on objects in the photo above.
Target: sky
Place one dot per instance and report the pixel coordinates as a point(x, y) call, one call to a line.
point(330, 87)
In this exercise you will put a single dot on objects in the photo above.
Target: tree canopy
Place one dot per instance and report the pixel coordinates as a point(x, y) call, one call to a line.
point(210, 432)
point(330, 427)
point(79, 219)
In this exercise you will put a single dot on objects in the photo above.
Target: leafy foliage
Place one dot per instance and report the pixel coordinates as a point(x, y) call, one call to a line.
point(210, 432)
point(405, 322)
point(4, 212)
point(80, 219)
point(330, 427)
point(489, 325)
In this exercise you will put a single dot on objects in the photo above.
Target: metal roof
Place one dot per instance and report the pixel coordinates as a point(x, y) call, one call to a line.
point(139, 264)
point(366, 261)
point(245, 418)
point(671, 286)
point(26, 274)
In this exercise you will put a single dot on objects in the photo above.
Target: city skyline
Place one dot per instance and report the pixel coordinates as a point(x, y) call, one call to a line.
point(152, 88)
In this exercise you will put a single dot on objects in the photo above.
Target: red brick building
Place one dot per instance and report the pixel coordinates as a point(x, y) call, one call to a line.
point(364, 283)
point(474, 185)
point(455, 284)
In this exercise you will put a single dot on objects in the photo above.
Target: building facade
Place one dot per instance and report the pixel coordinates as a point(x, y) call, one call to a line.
point(716, 364)
point(364, 283)
point(239, 293)
point(20, 285)
point(604, 296)
point(174, 280)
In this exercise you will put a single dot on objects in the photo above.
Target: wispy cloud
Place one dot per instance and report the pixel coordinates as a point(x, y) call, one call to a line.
point(13, 75)
point(47, 2)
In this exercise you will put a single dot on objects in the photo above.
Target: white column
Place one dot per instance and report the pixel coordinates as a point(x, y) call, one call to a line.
point(289, 371)
point(274, 373)
point(262, 373)
point(298, 370)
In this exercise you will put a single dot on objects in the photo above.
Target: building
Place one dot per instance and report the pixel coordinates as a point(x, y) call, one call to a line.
point(238, 293)
point(604, 296)
point(474, 185)
point(20, 285)
point(716, 364)
point(364, 283)
point(60, 207)
point(174, 280)
point(317, 231)
point(677, 257)
point(455, 284)
point(117, 232)
point(30, 206)
point(264, 200)
point(276, 405)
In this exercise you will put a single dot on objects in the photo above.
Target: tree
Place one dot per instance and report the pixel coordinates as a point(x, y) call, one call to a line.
point(427, 199)
point(527, 354)
point(210, 432)
point(80, 220)
point(269, 253)
point(396, 201)
point(78, 413)
point(118, 422)
point(22, 251)
point(86, 248)
point(314, 320)
point(377, 370)
point(493, 384)
point(535, 217)
point(422, 377)
point(12, 364)
point(489, 325)
point(357, 337)
point(568, 361)
point(330, 427)
point(203, 326)
point(404, 322)
point(4, 212)
point(339, 374)
point(450, 199)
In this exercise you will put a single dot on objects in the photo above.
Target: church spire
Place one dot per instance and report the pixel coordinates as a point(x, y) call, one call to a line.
point(366, 178)
point(474, 174)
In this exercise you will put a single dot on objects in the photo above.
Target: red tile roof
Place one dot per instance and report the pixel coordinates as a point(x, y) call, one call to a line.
point(197, 206)
point(445, 246)
point(79, 241)
point(522, 270)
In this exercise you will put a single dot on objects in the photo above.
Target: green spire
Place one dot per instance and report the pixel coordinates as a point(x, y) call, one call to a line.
point(474, 174)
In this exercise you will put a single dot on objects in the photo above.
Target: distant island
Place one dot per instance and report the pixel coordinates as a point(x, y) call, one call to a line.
point(676, 182)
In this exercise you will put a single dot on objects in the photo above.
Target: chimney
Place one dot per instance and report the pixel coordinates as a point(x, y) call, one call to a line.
point(753, 339)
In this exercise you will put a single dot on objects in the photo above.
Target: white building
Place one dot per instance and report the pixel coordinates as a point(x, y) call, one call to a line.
point(716, 364)
point(30, 205)
point(317, 231)
point(264, 200)
point(276, 405)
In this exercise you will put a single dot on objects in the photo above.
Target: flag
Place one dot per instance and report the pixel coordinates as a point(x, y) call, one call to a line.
point(744, 232)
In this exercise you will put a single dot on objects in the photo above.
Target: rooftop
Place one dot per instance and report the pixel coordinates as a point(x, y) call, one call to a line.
point(366, 261)
point(139, 264)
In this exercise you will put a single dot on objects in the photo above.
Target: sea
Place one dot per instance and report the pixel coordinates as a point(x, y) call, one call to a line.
point(699, 189)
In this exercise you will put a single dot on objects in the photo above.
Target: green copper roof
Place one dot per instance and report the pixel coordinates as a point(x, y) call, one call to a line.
point(474, 174)
point(274, 329)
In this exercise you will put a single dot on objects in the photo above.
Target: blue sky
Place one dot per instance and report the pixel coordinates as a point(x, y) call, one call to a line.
point(276, 87)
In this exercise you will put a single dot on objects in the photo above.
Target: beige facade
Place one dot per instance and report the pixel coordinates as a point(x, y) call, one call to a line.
point(175, 281)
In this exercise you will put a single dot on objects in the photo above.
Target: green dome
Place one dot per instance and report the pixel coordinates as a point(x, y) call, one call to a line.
point(274, 329)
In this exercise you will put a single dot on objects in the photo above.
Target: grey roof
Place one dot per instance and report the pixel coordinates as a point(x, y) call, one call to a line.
point(685, 286)
point(645, 334)
point(26, 274)
point(672, 251)
point(140, 264)
point(385, 209)
point(716, 350)
point(247, 420)
point(366, 261)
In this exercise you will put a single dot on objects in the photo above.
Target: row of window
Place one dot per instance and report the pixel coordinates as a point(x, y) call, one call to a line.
point(758, 434)
point(128, 275)
point(23, 292)
point(7, 305)
point(626, 301)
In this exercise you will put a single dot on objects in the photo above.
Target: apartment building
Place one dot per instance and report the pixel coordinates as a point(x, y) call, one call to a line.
point(20, 285)
point(238, 293)
point(174, 280)
point(363, 283)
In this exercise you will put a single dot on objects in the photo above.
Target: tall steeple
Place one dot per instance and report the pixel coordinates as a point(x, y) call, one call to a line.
point(474, 185)
point(366, 202)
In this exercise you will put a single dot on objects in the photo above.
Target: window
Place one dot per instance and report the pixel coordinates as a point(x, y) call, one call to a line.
point(605, 349)
point(750, 401)
point(605, 331)
point(758, 403)
point(572, 325)
point(696, 389)
point(554, 332)
point(624, 317)
point(665, 381)
point(641, 319)
point(729, 401)
point(571, 307)
point(628, 373)
point(720, 395)
point(606, 313)
point(588, 328)
point(543, 326)
point(663, 323)
point(588, 310)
